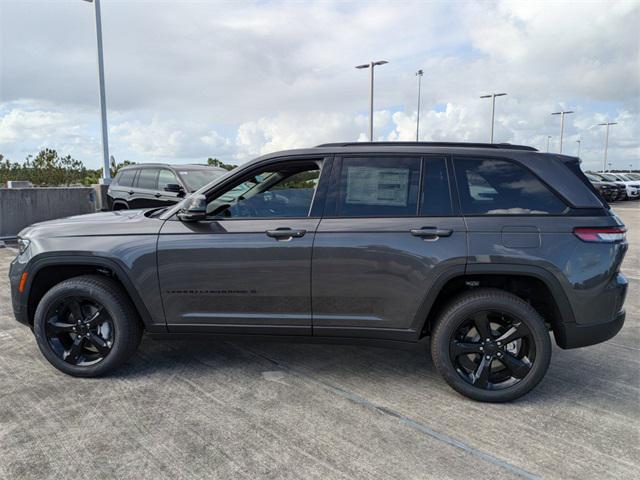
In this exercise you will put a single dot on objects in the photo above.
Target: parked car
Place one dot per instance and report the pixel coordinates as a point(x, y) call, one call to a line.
point(631, 188)
point(610, 191)
point(630, 183)
point(157, 185)
point(484, 248)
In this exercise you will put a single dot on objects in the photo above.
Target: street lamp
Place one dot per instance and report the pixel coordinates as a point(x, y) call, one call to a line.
point(579, 144)
point(562, 114)
point(371, 65)
point(493, 96)
point(548, 142)
point(606, 142)
point(106, 175)
point(419, 74)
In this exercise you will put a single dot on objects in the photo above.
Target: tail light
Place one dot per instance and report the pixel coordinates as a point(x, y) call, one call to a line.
point(601, 234)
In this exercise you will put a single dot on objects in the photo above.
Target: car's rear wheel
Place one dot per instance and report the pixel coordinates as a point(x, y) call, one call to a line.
point(491, 346)
point(86, 326)
point(120, 206)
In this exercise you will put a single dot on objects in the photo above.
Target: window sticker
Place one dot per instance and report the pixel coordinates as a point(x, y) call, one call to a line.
point(184, 173)
point(377, 186)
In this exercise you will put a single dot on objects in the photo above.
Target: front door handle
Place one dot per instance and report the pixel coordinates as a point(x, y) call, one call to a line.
point(431, 233)
point(285, 233)
point(130, 192)
point(158, 195)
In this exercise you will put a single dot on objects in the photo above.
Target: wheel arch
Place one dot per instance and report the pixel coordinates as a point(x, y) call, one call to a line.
point(531, 283)
point(46, 272)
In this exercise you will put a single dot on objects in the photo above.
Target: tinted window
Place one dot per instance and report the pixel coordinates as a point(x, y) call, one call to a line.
point(379, 187)
point(125, 178)
point(196, 179)
point(148, 178)
point(436, 200)
point(502, 187)
point(286, 192)
point(166, 177)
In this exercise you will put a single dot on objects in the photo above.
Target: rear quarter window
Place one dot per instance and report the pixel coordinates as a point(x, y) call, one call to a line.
point(490, 186)
point(125, 177)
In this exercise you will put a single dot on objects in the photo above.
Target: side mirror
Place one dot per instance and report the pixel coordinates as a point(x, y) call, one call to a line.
point(194, 209)
point(173, 187)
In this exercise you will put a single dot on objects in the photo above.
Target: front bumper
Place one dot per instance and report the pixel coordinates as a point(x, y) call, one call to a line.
point(18, 300)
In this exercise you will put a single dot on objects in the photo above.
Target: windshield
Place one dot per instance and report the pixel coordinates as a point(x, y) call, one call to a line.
point(196, 179)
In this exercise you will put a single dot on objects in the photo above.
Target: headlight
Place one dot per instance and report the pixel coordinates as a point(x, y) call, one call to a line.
point(23, 244)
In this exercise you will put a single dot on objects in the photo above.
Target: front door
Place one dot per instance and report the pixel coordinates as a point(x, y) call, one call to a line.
point(247, 268)
point(388, 235)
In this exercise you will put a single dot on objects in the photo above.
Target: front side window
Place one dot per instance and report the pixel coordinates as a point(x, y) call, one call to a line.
point(167, 177)
point(500, 187)
point(379, 187)
point(148, 178)
point(278, 192)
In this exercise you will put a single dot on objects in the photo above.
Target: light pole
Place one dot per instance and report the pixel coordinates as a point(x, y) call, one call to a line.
point(562, 114)
point(579, 143)
point(548, 142)
point(493, 96)
point(419, 74)
point(106, 175)
point(606, 142)
point(371, 65)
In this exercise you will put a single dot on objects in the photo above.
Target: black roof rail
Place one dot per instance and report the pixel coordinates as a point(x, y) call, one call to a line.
point(500, 146)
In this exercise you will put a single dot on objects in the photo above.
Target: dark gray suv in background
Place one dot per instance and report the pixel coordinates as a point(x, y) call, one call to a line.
point(157, 184)
point(484, 248)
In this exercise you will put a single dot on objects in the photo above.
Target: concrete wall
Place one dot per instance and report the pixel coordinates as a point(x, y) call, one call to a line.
point(21, 207)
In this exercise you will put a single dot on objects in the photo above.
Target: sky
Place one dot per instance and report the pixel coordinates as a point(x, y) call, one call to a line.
point(188, 80)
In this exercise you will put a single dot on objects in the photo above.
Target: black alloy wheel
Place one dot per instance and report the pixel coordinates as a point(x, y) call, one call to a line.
point(490, 345)
point(87, 326)
point(492, 350)
point(79, 331)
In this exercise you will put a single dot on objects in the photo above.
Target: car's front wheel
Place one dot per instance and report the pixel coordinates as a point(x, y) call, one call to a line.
point(86, 326)
point(491, 346)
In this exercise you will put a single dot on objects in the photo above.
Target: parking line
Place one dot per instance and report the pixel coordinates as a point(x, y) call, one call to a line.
point(354, 397)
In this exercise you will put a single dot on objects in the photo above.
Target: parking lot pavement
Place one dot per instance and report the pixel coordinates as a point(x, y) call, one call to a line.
point(279, 410)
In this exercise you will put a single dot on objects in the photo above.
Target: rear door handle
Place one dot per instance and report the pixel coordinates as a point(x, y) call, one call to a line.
point(432, 233)
point(285, 233)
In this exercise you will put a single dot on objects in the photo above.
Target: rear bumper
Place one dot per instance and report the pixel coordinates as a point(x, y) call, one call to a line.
point(573, 335)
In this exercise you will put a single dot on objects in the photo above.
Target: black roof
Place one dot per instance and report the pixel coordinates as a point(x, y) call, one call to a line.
point(183, 166)
point(500, 146)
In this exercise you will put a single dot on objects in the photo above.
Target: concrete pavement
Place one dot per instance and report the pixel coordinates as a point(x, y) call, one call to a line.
point(278, 410)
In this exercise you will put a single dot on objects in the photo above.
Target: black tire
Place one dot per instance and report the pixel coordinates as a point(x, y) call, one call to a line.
point(120, 206)
point(111, 337)
point(460, 358)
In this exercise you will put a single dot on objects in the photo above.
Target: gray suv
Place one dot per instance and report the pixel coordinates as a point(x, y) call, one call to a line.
point(484, 248)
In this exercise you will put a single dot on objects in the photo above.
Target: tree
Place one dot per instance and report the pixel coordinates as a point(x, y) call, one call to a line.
point(214, 162)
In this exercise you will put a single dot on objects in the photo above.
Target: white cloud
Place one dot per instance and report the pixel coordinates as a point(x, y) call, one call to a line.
point(187, 80)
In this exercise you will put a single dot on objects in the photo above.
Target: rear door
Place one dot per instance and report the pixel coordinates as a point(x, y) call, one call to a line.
point(389, 233)
point(120, 189)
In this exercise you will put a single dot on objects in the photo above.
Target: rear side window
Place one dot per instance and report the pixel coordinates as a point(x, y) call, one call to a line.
point(379, 187)
point(501, 187)
point(148, 178)
point(436, 199)
point(126, 177)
